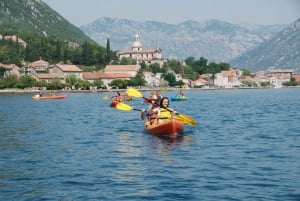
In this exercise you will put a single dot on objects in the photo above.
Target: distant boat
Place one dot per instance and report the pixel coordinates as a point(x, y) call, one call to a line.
point(178, 98)
point(38, 97)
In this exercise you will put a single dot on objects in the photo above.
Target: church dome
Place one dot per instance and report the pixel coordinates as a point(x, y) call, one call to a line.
point(137, 45)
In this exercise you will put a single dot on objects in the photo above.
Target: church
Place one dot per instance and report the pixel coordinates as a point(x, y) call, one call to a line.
point(148, 56)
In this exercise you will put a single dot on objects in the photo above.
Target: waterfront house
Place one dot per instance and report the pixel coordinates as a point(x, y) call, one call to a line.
point(152, 79)
point(106, 78)
point(10, 70)
point(48, 77)
point(66, 69)
point(228, 78)
point(130, 69)
point(39, 66)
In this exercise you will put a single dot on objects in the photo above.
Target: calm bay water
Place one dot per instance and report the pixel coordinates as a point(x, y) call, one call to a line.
point(246, 146)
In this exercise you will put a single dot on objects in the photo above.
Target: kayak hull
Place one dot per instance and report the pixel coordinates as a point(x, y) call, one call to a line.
point(167, 128)
point(178, 98)
point(48, 97)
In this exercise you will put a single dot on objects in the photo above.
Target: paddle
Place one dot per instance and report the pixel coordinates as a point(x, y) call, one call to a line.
point(125, 107)
point(135, 93)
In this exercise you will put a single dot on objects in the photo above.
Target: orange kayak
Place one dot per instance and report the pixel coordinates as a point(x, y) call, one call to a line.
point(37, 97)
point(169, 128)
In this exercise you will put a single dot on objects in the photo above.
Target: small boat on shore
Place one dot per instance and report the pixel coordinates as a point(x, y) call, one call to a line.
point(168, 128)
point(38, 97)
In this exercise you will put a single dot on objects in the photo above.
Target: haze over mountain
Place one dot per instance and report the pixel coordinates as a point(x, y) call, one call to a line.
point(214, 40)
point(281, 51)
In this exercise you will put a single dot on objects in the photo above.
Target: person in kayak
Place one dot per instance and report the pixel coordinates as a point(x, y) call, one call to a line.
point(116, 99)
point(164, 111)
point(152, 111)
point(159, 96)
point(180, 94)
point(52, 93)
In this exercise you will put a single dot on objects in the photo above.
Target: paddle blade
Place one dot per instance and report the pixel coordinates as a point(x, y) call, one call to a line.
point(123, 106)
point(105, 97)
point(133, 92)
point(183, 120)
point(188, 119)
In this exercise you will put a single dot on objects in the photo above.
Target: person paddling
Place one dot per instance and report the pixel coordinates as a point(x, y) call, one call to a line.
point(180, 94)
point(164, 111)
point(152, 111)
point(116, 99)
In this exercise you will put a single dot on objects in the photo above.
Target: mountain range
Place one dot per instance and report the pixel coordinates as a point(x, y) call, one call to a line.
point(214, 40)
point(281, 51)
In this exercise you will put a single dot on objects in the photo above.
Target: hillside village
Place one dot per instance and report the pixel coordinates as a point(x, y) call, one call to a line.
point(42, 70)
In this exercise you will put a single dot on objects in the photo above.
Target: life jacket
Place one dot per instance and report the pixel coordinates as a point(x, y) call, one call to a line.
point(164, 114)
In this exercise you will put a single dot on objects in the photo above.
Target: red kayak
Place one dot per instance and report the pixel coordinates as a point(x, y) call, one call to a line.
point(37, 97)
point(169, 128)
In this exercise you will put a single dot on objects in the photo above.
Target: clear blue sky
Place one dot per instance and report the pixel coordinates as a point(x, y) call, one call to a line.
point(82, 12)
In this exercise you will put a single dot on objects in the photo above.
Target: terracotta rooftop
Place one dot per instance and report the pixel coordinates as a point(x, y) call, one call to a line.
point(69, 68)
point(49, 76)
point(121, 68)
point(101, 75)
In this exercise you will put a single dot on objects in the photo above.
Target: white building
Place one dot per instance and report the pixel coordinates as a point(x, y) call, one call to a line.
point(148, 56)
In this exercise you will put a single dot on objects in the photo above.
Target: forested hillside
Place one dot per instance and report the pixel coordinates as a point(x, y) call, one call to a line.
point(34, 16)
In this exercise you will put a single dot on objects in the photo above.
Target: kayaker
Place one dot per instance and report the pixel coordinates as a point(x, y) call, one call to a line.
point(164, 111)
point(180, 94)
point(52, 93)
point(148, 100)
point(116, 99)
point(152, 111)
point(159, 96)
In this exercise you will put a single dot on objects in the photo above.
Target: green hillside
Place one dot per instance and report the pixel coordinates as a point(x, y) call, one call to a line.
point(34, 16)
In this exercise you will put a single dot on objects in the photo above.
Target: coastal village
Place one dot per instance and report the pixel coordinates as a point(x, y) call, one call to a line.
point(42, 70)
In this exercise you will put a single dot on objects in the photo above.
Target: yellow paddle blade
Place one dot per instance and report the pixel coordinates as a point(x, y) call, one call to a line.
point(105, 97)
point(123, 106)
point(183, 120)
point(189, 119)
point(133, 92)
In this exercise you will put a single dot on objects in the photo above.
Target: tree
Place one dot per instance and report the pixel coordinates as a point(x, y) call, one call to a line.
point(2, 71)
point(170, 77)
point(71, 79)
point(108, 52)
point(121, 84)
point(26, 81)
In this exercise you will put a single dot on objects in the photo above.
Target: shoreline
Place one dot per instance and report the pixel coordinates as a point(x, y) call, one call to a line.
point(11, 91)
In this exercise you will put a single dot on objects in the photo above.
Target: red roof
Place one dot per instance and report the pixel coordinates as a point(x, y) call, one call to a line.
point(69, 68)
point(121, 68)
point(101, 75)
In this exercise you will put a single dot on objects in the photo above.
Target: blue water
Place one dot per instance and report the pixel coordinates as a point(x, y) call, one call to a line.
point(246, 146)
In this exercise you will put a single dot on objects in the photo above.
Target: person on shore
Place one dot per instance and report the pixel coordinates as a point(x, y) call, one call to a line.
point(164, 111)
